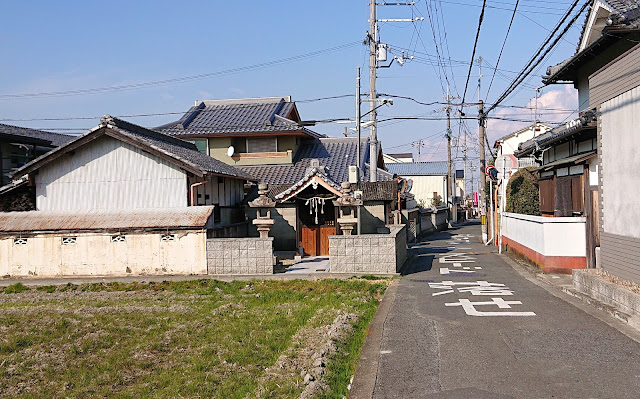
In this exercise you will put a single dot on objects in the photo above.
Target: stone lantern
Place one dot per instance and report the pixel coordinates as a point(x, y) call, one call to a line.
point(347, 205)
point(263, 204)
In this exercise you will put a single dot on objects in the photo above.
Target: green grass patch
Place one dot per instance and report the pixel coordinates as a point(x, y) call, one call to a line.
point(199, 338)
point(16, 288)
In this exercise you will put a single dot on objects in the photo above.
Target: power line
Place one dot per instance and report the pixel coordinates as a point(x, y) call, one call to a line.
point(475, 45)
point(180, 79)
point(537, 58)
point(515, 8)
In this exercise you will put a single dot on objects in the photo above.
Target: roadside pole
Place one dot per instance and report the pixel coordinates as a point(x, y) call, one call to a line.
point(483, 178)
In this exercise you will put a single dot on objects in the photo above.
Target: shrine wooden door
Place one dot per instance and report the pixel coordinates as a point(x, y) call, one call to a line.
point(310, 240)
point(315, 240)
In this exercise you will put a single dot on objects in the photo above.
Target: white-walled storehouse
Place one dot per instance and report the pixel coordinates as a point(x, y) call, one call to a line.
point(122, 199)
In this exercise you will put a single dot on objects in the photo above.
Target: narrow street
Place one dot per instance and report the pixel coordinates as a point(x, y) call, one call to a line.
point(466, 324)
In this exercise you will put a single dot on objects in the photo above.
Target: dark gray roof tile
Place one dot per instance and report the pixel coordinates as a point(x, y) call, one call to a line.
point(438, 168)
point(335, 154)
point(257, 115)
point(172, 147)
point(48, 139)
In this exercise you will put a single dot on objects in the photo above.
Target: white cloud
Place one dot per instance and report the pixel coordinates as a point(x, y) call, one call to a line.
point(552, 109)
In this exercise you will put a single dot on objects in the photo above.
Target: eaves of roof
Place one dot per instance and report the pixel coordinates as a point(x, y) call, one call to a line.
point(565, 161)
point(27, 135)
point(105, 220)
point(179, 152)
point(625, 19)
point(558, 133)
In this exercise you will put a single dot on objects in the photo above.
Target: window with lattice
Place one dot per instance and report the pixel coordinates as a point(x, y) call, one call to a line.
point(19, 241)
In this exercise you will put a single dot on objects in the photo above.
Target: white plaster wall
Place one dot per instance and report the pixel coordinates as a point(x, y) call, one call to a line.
point(96, 255)
point(620, 118)
point(424, 187)
point(558, 236)
point(110, 174)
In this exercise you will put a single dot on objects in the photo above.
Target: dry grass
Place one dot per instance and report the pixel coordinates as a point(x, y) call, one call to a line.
point(202, 338)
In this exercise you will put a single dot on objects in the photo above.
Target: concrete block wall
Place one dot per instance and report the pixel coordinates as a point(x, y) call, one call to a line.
point(369, 253)
point(433, 220)
point(240, 255)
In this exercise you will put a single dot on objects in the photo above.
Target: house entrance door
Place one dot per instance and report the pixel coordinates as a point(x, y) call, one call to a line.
point(315, 240)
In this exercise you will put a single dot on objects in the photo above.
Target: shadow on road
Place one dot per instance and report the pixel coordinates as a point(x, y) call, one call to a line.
point(422, 252)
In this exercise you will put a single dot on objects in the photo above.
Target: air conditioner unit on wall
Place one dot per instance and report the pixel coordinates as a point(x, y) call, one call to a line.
point(353, 174)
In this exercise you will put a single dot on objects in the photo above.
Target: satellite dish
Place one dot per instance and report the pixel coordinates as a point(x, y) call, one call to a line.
point(230, 150)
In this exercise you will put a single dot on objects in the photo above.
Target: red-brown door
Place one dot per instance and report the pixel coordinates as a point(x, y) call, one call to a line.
point(315, 240)
point(325, 232)
point(310, 240)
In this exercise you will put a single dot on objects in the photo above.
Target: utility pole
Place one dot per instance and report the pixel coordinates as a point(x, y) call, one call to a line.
point(483, 180)
point(373, 95)
point(374, 44)
point(418, 144)
point(451, 178)
point(358, 129)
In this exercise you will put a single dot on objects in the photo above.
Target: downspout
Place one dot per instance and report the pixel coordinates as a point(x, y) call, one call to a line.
point(192, 191)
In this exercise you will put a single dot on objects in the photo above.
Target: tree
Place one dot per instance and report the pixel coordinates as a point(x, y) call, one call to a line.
point(522, 192)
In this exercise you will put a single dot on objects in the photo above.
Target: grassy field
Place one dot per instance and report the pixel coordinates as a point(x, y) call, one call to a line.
point(202, 338)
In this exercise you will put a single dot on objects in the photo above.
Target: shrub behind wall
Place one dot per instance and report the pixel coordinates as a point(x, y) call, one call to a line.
point(522, 192)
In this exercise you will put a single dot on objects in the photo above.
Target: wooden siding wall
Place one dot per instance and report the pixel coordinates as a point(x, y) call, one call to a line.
point(220, 191)
point(109, 174)
point(621, 75)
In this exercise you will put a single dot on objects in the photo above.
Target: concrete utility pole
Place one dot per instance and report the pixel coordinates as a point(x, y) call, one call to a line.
point(358, 121)
point(483, 179)
point(374, 44)
point(418, 144)
point(451, 187)
point(358, 131)
point(373, 95)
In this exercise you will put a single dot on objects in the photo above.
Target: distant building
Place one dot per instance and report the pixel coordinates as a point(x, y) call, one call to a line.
point(429, 180)
point(398, 158)
point(19, 145)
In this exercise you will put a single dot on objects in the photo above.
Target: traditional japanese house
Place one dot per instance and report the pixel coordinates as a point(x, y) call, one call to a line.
point(266, 138)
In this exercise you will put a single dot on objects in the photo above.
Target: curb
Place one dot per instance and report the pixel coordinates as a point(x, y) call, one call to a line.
point(364, 380)
point(624, 317)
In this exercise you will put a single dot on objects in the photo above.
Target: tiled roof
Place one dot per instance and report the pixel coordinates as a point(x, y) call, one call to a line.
point(315, 171)
point(378, 191)
point(624, 17)
point(251, 115)
point(335, 154)
point(587, 120)
point(153, 218)
point(182, 152)
point(43, 138)
point(439, 168)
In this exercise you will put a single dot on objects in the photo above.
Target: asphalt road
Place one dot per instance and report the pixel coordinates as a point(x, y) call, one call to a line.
point(465, 324)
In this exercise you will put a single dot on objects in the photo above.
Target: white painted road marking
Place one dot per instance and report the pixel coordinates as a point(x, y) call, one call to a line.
point(446, 270)
point(469, 307)
point(475, 288)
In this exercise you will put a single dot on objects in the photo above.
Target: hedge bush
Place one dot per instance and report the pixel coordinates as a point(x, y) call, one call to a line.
point(522, 192)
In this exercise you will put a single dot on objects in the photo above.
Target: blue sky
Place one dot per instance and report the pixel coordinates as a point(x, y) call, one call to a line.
point(73, 45)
